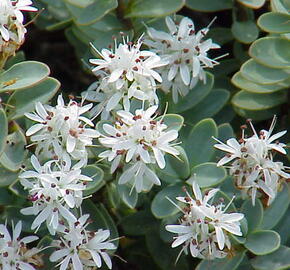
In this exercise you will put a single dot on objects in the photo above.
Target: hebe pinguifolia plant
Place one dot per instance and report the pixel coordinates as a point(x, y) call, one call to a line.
point(121, 157)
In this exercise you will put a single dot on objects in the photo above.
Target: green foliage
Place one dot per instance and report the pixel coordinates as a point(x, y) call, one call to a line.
point(266, 71)
point(278, 260)
point(252, 83)
point(262, 242)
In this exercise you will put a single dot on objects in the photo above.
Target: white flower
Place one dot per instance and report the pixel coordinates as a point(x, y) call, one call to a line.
point(62, 130)
point(22, 5)
point(139, 138)
point(12, 30)
point(126, 73)
point(186, 53)
point(14, 253)
point(54, 188)
point(81, 249)
point(252, 162)
point(195, 231)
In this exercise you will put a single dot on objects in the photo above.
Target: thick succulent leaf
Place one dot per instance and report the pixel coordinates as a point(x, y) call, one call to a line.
point(253, 214)
point(97, 175)
point(207, 175)
point(195, 95)
point(253, 3)
point(274, 213)
point(261, 74)
point(252, 101)
point(161, 206)
point(172, 121)
point(199, 144)
point(275, 22)
point(241, 82)
point(151, 8)
point(209, 106)
point(23, 75)
point(24, 101)
point(278, 260)
point(96, 11)
point(262, 242)
point(14, 151)
point(245, 31)
point(208, 5)
point(271, 52)
point(222, 264)
point(3, 130)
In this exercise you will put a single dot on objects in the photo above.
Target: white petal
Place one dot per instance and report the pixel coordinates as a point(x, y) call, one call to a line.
point(184, 73)
point(220, 237)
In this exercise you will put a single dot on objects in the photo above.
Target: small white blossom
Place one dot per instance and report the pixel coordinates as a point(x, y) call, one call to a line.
point(139, 138)
point(82, 249)
point(22, 5)
point(53, 188)
point(204, 228)
point(12, 30)
point(252, 162)
point(62, 131)
point(14, 253)
point(186, 52)
point(126, 72)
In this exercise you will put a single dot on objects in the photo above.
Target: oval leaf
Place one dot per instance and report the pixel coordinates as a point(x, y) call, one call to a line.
point(241, 82)
point(23, 75)
point(24, 101)
point(252, 101)
point(278, 260)
point(199, 144)
point(253, 214)
point(260, 74)
point(275, 22)
point(271, 52)
point(161, 206)
point(208, 175)
point(262, 242)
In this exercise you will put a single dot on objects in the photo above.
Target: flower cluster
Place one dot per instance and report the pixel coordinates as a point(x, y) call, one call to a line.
point(79, 248)
point(252, 163)
point(204, 228)
point(12, 29)
point(14, 253)
point(54, 188)
point(141, 139)
point(127, 72)
point(186, 54)
point(62, 131)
